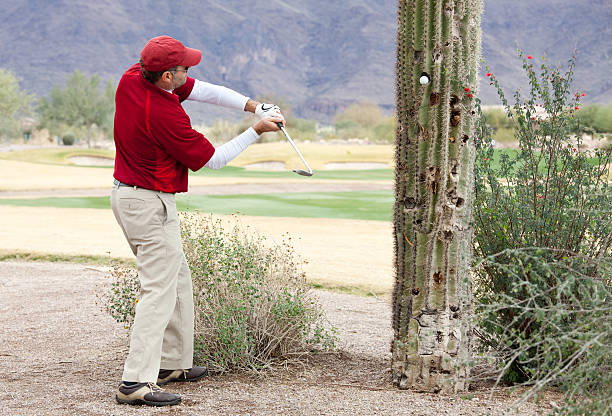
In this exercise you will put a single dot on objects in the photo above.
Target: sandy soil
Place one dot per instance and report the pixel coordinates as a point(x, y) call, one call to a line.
point(61, 355)
point(339, 252)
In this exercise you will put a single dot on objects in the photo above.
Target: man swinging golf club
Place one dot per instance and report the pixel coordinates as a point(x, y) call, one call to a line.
point(156, 145)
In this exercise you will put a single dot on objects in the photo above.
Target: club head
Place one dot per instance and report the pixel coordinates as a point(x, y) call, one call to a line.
point(302, 172)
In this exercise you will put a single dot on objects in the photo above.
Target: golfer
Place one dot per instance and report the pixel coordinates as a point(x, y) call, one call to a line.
point(156, 145)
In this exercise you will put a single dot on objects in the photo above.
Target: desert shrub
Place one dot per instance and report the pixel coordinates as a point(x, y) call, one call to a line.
point(68, 139)
point(120, 300)
point(253, 307)
point(553, 326)
point(543, 232)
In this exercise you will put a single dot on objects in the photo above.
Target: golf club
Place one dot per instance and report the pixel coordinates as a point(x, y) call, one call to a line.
point(298, 171)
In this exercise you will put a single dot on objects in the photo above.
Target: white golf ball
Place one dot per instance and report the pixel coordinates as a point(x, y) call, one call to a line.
point(424, 80)
point(492, 142)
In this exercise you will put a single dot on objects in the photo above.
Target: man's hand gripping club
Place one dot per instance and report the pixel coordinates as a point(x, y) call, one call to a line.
point(270, 115)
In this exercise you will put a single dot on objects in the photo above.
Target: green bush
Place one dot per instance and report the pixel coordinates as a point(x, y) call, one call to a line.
point(596, 118)
point(68, 139)
point(542, 227)
point(252, 303)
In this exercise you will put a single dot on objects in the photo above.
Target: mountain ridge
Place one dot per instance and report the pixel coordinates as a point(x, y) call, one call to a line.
point(317, 56)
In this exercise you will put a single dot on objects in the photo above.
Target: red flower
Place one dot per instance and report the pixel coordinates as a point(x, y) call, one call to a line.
point(576, 108)
point(533, 118)
point(583, 94)
point(486, 158)
point(466, 89)
point(488, 74)
point(540, 197)
point(529, 57)
point(574, 149)
point(469, 95)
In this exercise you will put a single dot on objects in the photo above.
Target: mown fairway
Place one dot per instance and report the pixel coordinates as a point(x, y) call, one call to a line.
point(371, 205)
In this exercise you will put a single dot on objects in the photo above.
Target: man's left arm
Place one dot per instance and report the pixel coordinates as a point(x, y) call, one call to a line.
point(206, 92)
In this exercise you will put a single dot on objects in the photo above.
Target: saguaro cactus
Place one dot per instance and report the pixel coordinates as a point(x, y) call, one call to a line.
point(438, 51)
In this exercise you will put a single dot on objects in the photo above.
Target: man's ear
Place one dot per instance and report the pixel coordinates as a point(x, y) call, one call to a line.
point(167, 76)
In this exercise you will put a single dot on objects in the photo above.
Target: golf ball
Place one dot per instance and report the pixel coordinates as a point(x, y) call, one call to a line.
point(424, 80)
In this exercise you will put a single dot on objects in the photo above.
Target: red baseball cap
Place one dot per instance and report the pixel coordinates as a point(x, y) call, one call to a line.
point(164, 52)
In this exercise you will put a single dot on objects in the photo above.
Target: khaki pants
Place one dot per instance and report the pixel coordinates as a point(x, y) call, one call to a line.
point(162, 334)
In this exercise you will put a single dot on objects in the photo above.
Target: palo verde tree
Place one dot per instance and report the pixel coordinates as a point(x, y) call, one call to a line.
point(80, 104)
point(14, 105)
point(438, 51)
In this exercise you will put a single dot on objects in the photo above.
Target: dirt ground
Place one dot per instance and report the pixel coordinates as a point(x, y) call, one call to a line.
point(60, 355)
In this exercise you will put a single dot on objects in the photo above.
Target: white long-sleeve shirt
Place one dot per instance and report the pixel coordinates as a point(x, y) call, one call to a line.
point(205, 92)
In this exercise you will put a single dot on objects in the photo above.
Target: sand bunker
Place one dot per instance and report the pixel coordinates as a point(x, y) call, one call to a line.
point(271, 165)
point(91, 161)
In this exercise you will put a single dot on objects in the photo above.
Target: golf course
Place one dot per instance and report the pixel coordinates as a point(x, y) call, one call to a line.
point(339, 221)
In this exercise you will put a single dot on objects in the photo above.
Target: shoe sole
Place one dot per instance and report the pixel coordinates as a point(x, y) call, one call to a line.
point(140, 402)
point(178, 380)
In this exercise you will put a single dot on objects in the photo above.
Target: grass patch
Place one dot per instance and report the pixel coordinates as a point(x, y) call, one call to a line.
point(505, 136)
point(54, 156)
point(96, 202)
point(18, 255)
point(351, 290)
point(353, 175)
point(365, 205)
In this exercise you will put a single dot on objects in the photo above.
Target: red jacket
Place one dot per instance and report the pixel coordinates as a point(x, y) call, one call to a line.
point(153, 135)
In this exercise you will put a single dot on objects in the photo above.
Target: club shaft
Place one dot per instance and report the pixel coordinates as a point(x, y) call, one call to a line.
point(295, 147)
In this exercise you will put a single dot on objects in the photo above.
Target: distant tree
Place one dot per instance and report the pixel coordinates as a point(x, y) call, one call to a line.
point(81, 104)
point(14, 105)
point(364, 114)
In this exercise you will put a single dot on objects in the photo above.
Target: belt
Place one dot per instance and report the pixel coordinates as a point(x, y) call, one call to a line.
point(116, 182)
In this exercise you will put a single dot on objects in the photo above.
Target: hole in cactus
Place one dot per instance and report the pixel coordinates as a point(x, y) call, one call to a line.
point(465, 138)
point(437, 278)
point(419, 222)
point(454, 165)
point(410, 203)
point(454, 308)
point(416, 291)
point(455, 118)
point(434, 98)
point(452, 139)
point(448, 235)
point(439, 338)
point(454, 100)
point(418, 56)
point(460, 202)
point(456, 316)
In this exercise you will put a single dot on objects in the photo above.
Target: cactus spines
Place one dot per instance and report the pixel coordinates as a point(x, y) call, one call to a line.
point(434, 153)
